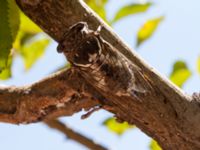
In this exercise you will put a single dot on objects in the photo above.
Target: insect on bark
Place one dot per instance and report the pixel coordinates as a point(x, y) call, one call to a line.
point(102, 65)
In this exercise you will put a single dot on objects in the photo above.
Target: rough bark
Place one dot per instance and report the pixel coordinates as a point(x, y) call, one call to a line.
point(57, 95)
point(166, 113)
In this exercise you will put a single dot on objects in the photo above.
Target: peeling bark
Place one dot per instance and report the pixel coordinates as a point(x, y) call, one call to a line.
point(166, 113)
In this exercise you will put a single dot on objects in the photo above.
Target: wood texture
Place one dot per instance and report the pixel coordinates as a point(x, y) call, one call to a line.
point(57, 95)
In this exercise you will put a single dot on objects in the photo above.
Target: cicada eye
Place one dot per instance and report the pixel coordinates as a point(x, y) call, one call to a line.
point(79, 26)
point(60, 48)
point(75, 31)
point(72, 37)
point(64, 46)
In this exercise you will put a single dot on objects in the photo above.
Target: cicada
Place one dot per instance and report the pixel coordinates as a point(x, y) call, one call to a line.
point(100, 63)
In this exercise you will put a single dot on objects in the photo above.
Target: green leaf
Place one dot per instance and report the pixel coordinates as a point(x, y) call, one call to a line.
point(130, 9)
point(198, 64)
point(27, 25)
point(6, 73)
point(14, 18)
point(154, 145)
point(21, 39)
point(28, 29)
point(26, 42)
point(180, 73)
point(9, 26)
point(99, 7)
point(147, 30)
point(32, 51)
point(114, 126)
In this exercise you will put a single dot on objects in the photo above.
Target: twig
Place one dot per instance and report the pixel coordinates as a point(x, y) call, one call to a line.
point(55, 124)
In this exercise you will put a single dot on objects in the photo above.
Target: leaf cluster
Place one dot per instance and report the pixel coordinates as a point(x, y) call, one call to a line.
point(19, 36)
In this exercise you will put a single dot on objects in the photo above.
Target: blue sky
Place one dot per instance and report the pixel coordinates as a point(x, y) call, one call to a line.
point(177, 38)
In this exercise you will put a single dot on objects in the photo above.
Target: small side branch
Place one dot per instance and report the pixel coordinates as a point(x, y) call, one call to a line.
point(55, 124)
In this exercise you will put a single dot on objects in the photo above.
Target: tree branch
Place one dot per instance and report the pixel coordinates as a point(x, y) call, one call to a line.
point(57, 95)
point(165, 113)
point(55, 124)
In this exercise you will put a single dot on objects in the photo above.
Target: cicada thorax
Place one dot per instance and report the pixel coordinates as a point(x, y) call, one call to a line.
point(89, 60)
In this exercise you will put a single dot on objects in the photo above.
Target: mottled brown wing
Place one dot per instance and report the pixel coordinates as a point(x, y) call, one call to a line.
point(111, 70)
point(100, 63)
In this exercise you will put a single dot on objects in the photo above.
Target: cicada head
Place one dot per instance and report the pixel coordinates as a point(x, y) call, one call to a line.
point(73, 37)
point(80, 45)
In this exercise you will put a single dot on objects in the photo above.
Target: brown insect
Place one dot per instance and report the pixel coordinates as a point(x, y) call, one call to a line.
point(100, 63)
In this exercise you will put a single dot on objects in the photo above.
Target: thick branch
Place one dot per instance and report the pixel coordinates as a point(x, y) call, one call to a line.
point(55, 124)
point(166, 113)
point(58, 95)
